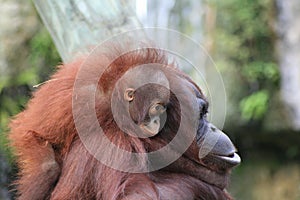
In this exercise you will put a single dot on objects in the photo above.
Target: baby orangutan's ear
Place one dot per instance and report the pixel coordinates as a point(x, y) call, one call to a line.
point(129, 94)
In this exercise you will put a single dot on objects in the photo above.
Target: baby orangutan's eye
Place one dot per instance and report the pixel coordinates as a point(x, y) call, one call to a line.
point(156, 109)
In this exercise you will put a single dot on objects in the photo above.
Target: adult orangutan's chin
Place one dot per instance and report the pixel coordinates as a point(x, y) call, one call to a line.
point(56, 163)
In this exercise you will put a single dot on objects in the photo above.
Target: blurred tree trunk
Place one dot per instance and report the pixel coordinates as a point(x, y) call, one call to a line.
point(289, 56)
point(77, 26)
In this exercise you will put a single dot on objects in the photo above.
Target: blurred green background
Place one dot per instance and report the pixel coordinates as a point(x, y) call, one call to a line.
point(252, 47)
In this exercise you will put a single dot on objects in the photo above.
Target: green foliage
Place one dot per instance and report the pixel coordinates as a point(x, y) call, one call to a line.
point(43, 55)
point(261, 71)
point(244, 44)
point(255, 105)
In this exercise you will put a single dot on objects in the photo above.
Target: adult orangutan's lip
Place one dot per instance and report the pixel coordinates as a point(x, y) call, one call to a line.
point(211, 177)
point(217, 151)
point(232, 159)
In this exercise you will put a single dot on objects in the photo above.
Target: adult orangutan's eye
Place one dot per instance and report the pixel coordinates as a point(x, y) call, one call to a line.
point(203, 107)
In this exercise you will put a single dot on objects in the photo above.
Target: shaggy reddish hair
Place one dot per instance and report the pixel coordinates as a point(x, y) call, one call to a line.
point(54, 163)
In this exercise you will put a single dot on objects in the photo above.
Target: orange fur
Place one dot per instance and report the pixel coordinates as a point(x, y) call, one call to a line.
point(54, 163)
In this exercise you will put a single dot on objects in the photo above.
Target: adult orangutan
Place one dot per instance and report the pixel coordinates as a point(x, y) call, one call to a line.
point(142, 103)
